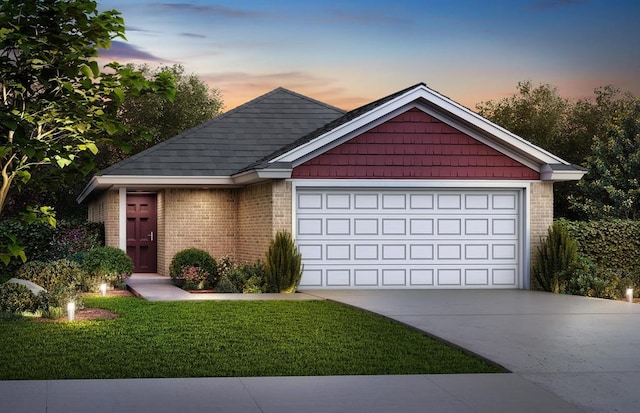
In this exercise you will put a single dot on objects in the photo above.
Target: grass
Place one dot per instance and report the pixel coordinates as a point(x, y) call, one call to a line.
point(224, 338)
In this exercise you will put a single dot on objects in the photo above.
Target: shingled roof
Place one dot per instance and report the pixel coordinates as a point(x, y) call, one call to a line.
point(230, 142)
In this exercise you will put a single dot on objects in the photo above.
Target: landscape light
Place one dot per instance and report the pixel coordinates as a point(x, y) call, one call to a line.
point(103, 289)
point(629, 294)
point(71, 311)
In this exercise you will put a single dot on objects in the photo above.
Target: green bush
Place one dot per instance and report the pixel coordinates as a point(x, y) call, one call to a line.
point(283, 264)
point(610, 244)
point(245, 278)
point(555, 256)
point(43, 242)
point(61, 278)
point(73, 237)
point(17, 299)
point(193, 257)
point(586, 278)
point(613, 247)
point(225, 285)
point(109, 264)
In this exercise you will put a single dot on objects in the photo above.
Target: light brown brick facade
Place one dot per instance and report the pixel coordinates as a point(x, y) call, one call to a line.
point(237, 222)
point(263, 210)
point(105, 209)
point(196, 218)
point(541, 213)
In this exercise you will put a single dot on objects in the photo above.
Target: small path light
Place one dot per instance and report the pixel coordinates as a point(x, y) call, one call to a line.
point(71, 311)
point(103, 289)
point(629, 295)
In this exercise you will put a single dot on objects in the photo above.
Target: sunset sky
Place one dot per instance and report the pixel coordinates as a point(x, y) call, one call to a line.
point(348, 53)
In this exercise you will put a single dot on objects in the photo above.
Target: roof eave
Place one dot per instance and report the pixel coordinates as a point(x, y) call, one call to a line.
point(102, 183)
point(258, 175)
point(559, 173)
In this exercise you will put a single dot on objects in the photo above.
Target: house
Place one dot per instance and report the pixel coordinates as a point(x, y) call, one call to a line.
point(410, 191)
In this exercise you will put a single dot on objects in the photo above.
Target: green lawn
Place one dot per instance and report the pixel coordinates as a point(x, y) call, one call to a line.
point(223, 338)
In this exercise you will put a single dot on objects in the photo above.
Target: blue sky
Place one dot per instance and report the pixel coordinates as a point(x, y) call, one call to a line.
point(350, 53)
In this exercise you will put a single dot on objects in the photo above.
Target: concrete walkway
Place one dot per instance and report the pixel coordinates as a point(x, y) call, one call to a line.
point(154, 287)
point(371, 394)
point(585, 350)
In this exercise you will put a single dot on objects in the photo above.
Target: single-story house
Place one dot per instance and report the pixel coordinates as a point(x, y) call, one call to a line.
point(410, 191)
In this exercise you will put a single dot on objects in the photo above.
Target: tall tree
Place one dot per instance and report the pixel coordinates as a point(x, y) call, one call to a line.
point(56, 101)
point(157, 118)
point(537, 113)
point(611, 189)
point(561, 126)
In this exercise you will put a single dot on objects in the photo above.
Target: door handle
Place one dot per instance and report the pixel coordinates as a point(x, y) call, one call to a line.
point(151, 235)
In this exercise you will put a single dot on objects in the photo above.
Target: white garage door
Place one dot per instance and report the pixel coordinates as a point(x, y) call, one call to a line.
point(368, 238)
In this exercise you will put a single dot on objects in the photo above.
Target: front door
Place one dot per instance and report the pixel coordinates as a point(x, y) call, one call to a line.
point(142, 231)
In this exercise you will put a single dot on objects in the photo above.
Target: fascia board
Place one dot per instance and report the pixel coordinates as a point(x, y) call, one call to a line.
point(117, 181)
point(547, 173)
point(249, 177)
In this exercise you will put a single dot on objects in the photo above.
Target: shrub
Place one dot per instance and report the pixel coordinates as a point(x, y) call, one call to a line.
point(586, 278)
point(236, 278)
point(193, 257)
point(73, 237)
point(194, 278)
point(42, 242)
point(254, 278)
point(61, 278)
point(283, 264)
point(612, 244)
point(555, 255)
point(109, 264)
point(34, 272)
point(17, 299)
point(224, 285)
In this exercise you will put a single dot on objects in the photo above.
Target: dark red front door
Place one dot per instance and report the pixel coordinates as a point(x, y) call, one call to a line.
point(142, 231)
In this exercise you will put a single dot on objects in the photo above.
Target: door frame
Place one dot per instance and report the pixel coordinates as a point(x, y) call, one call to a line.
point(122, 221)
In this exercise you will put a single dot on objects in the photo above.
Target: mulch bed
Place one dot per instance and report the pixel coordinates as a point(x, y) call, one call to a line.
point(88, 313)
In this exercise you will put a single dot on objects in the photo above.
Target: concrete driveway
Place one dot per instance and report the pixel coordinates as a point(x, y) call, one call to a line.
point(585, 350)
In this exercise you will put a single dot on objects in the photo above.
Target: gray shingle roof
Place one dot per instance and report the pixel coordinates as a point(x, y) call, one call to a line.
point(347, 117)
point(230, 142)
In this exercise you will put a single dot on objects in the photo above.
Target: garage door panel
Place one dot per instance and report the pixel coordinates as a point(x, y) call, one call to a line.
point(421, 277)
point(365, 238)
point(476, 277)
point(338, 277)
point(366, 278)
point(338, 226)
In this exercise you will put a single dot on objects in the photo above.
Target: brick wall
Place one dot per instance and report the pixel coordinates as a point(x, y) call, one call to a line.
point(281, 207)
point(105, 209)
point(161, 238)
point(541, 211)
point(198, 218)
point(255, 222)
point(263, 210)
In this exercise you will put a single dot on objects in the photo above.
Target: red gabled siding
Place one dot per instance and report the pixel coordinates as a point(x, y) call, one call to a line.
point(413, 145)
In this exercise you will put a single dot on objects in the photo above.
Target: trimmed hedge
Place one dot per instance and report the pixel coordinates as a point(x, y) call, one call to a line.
point(613, 248)
point(613, 244)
